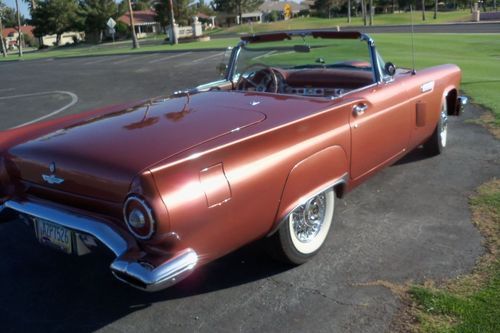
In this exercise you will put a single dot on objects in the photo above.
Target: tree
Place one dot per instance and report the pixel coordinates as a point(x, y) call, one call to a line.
point(182, 12)
point(10, 18)
point(435, 9)
point(55, 17)
point(423, 10)
point(237, 7)
point(141, 5)
point(135, 42)
point(201, 7)
point(324, 7)
point(95, 14)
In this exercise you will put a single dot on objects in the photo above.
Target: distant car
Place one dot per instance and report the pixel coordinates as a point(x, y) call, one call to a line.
point(299, 119)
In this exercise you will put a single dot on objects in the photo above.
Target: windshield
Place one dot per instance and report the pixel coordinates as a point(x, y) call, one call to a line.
point(305, 52)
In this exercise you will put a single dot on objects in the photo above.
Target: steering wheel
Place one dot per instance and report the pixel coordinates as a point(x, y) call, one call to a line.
point(264, 79)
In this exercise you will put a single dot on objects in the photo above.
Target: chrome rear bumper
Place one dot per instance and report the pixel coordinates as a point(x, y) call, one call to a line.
point(129, 265)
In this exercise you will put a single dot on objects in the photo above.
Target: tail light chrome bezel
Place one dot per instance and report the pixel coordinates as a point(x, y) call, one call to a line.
point(148, 213)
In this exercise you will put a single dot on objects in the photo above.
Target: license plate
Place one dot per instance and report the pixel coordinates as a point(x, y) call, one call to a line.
point(54, 235)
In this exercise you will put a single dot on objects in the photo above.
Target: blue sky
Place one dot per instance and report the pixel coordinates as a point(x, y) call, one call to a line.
point(23, 6)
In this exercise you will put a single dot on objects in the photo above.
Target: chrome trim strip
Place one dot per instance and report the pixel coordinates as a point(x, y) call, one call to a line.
point(161, 277)
point(129, 266)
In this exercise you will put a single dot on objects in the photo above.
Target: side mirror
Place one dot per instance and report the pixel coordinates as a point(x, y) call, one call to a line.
point(221, 68)
point(390, 68)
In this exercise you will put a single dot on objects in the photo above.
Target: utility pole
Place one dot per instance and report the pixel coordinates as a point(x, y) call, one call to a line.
point(135, 42)
point(173, 36)
point(19, 34)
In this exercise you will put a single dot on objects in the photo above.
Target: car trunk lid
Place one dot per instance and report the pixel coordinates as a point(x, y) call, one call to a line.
point(98, 157)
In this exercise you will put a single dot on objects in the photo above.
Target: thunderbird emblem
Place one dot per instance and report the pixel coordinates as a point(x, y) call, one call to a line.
point(52, 179)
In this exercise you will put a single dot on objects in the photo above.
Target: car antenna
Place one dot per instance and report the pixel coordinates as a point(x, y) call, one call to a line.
point(413, 72)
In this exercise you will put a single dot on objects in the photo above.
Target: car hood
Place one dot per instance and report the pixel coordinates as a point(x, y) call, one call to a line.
point(99, 157)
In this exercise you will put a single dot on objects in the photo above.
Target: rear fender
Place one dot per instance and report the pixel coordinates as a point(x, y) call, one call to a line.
point(311, 176)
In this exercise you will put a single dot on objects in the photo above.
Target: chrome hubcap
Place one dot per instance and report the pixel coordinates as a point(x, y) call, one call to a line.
point(308, 218)
point(444, 127)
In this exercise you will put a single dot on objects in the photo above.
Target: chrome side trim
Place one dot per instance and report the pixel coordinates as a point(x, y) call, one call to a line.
point(130, 265)
point(154, 279)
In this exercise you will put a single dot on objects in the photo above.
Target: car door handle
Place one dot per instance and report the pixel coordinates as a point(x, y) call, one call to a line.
point(359, 109)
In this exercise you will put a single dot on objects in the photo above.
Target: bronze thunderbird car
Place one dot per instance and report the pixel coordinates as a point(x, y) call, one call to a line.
point(298, 120)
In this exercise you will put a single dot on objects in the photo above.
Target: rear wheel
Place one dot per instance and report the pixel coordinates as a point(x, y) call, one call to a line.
point(305, 229)
point(437, 142)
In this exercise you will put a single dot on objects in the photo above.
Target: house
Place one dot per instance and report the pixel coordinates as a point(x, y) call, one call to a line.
point(11, 37)
point(262, 14)
point(144, 21)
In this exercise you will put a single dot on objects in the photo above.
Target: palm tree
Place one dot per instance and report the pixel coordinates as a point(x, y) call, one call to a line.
point(371, 12)
point(348, 11)
point(4, 49)
point(363, 11)
point(135, 42)
point(19, 34)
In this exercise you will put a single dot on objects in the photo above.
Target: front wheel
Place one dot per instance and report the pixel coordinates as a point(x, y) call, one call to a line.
point(437, 142)
point(305, 229)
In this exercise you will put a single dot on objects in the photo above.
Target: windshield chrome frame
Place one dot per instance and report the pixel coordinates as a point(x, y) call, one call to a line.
point(376, 71)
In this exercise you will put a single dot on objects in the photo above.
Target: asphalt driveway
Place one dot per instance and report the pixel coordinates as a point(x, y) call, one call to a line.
point(409, 222)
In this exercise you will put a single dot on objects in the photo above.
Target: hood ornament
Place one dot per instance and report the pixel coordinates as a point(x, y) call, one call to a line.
point(52, 179)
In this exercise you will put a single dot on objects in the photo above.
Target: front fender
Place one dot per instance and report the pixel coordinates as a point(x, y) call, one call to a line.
point(310, 176)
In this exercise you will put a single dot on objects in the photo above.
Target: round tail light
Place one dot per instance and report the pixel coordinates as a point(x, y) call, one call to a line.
point(139, 217)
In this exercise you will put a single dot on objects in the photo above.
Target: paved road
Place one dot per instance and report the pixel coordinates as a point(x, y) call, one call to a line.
point(410, 222)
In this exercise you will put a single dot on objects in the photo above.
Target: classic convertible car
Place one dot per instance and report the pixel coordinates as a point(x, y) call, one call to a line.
point(298, 120)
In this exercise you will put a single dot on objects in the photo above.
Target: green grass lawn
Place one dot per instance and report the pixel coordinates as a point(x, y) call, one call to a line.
point(478, 55)
point(382, 19)
point(472, 302)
